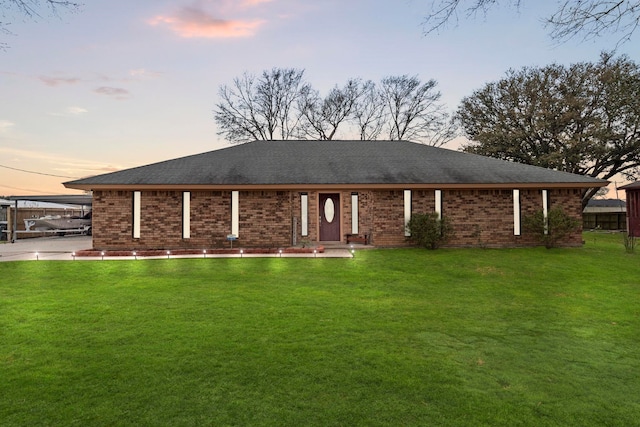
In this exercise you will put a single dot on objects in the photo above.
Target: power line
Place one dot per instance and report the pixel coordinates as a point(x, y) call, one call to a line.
point(37, 173)
point(24, 189)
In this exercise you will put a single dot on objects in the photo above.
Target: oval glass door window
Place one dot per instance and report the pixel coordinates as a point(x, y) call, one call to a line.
point(329, 210)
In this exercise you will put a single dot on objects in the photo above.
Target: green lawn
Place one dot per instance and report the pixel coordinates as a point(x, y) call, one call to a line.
point(393, 337)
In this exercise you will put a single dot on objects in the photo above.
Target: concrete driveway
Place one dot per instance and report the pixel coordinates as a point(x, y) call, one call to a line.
point(46, 248)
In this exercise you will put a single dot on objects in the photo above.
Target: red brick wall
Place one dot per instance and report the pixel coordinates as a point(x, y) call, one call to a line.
point(266, 218)
point(111, 219)
point(571, 202)
point(478, 217)
point(210, 219)
point(388, 218)
point(423, 201)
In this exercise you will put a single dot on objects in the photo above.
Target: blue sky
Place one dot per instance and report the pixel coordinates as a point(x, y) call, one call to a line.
point(126, 83)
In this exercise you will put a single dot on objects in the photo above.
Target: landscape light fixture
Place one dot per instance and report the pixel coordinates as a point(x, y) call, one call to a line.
point(168, 253)
point(37, 257)
point(280, 252)
point(102, 255)
point(204, 253)
point(135, 256)
point(241, 251)
point(73, 254)
point(314, 253)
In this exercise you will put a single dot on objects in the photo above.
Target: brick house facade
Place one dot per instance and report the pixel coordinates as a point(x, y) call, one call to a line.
point(273, 218)
point(178, 210)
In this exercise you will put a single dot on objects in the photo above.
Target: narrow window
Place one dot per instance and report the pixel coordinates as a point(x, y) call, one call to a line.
point(545, 210)
point(516, 213)
point(438, 195)
point(235, 213)
point(186, 215)
point(354, 213)
point(407, 211)
point(136, 214)
point(304, 214)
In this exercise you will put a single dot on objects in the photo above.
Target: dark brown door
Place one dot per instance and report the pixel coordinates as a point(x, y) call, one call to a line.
point(329, 217)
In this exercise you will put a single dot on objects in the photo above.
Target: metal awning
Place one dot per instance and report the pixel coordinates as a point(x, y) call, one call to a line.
point(64, 199)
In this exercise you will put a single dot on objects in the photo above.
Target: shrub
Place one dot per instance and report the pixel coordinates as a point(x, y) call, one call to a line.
point(629, 243)
point(428, 230)
point(553, 229)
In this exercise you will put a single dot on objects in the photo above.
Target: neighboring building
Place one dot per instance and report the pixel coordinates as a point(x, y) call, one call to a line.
point(605, 214)
point(279, 193)
point(633, 208)
point(4, 213)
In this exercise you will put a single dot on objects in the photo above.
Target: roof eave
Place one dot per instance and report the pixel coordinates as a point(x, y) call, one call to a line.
point(440, 186)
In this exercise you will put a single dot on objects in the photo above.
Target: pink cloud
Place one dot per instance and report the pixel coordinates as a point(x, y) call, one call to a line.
point(57, 81)
point(115, 92)
point(193, 22)
point(250, 3)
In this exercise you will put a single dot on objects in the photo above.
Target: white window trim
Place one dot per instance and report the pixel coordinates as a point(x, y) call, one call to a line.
point(235, 213)
point(304, 214)
point(545, 210)
point(186, 215)
point(136, 214)
point(438, 203)
point(354, 213)
point(517, 227)
point(407, 211)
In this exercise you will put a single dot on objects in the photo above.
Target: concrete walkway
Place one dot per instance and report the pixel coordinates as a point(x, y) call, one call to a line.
point(62, 249)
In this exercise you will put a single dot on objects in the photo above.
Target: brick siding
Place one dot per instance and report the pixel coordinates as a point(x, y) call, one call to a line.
point(478, 217)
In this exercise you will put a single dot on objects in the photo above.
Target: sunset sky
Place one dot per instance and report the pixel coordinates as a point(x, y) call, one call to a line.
point(126, 83)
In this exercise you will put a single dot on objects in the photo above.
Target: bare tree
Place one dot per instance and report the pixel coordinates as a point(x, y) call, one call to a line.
point(593, 18)
point(444, 12)
point(280, 105)
point(325, 115)
point(29, 9)
point(369, 112)
point(414, 111)
point(588, 18)
point(263, 108)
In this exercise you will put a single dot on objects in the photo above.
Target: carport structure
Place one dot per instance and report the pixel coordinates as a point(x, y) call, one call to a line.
point(83, 200)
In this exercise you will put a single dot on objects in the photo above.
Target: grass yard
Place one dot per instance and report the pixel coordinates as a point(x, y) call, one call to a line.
point(393, 337)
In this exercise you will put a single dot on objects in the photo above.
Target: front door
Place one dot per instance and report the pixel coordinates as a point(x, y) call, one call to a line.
point(329, 217)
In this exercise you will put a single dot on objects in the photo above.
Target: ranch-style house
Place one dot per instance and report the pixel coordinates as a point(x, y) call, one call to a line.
point(285, 193)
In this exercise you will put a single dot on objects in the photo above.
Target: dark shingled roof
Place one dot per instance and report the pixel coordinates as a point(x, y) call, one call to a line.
point(333, 162)
point(606, 203)
point(632, 186)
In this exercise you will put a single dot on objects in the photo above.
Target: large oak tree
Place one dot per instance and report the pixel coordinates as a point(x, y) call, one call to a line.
point(584, 118)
